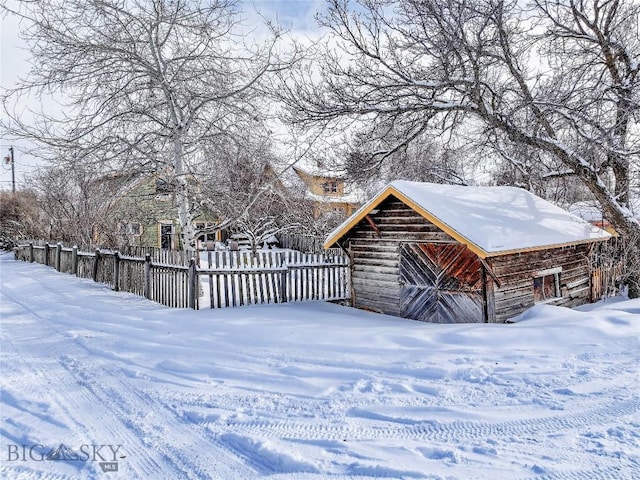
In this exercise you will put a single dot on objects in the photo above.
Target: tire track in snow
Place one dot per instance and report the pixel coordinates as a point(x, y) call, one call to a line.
point(78, 401)
point(105, 425)
point(611, 473)
point(434, 430)
point(456, 433)
point(122, 415)
point(189, 451)
point(211, 412)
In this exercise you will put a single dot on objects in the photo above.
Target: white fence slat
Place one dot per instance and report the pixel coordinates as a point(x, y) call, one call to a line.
point(236, 279)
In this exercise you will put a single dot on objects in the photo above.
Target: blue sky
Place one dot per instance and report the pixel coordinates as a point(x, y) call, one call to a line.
point(291, 14)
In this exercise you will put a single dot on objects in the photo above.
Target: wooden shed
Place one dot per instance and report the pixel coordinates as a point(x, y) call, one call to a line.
point(454, 254)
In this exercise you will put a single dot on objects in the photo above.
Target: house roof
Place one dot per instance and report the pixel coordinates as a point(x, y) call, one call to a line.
point(490, 221)
point(319, 169)
point(351, 194)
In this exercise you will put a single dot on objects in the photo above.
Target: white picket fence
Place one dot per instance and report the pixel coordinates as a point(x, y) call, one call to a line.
point(230, 279)
point(222, 279)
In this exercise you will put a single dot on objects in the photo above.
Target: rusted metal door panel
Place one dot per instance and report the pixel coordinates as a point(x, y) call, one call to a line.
point(440, 283)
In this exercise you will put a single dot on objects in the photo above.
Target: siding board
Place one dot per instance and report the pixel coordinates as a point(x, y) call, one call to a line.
point(516, 272)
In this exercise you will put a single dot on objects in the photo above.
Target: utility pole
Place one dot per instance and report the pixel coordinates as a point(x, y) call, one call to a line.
point(10, 159)
point(13, 170)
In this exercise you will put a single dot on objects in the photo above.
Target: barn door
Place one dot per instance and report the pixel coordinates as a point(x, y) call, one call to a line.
point(440, 283)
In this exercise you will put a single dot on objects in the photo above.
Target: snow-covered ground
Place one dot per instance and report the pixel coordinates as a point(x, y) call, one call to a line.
point(103, 380)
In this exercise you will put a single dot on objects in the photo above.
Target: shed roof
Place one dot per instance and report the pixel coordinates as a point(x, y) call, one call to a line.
point(489, 220)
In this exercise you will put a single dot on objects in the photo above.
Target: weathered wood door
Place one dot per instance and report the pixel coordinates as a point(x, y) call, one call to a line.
point(441, 283)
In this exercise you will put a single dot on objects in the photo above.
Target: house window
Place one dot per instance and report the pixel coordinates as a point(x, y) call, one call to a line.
point(204, 238)
point(166, 236)
point(546, 285)
point(330, 187)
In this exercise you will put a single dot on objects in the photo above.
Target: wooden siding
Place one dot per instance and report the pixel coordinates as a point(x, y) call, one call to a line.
point(515, 274)
point(441, 283)
point(375, 254)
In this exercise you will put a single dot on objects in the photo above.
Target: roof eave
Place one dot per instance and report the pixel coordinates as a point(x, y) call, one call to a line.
point(352, 221)
point(378, 199)
point(547, 247)
point(479, 251)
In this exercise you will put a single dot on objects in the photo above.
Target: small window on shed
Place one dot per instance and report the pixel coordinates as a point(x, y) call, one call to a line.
point(546, 285)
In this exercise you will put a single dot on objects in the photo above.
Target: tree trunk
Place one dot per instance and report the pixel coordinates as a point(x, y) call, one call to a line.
point(629, 229)
point(633, 266)
point(185, 215)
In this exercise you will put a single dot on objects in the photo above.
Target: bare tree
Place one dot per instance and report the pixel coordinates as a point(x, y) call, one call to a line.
point(74, 205)
point(20, 218)
point(372, 163)
point(144, 84)
point(249, 194)
point(557, 76)
point(529, 168)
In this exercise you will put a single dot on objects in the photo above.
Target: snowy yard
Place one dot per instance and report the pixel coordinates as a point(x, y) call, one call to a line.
point(101, 380)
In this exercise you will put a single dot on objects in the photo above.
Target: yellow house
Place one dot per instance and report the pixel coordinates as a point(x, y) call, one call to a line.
point(327, 191)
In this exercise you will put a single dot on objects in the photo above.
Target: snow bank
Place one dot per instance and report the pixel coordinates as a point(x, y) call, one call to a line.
point(309, 390)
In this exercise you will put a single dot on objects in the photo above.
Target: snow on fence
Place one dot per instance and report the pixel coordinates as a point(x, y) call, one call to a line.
point(159, 255)
point(225, 279)
point(231, 279)
point(165, 284)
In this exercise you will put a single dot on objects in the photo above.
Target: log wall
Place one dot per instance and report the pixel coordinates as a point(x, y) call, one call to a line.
point(515, 274)
point(375, 255)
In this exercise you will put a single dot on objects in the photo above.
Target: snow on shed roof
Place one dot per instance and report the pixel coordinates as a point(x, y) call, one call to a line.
point(489, 220)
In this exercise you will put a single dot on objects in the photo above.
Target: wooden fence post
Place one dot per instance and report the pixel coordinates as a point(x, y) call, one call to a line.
point(46, 253)
point(96, 261)
point(146, 288)
point(283, 286)
point(192, 284)
point(58, 255)
point(116, 271)
point(74, 260)
point(31, 252)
